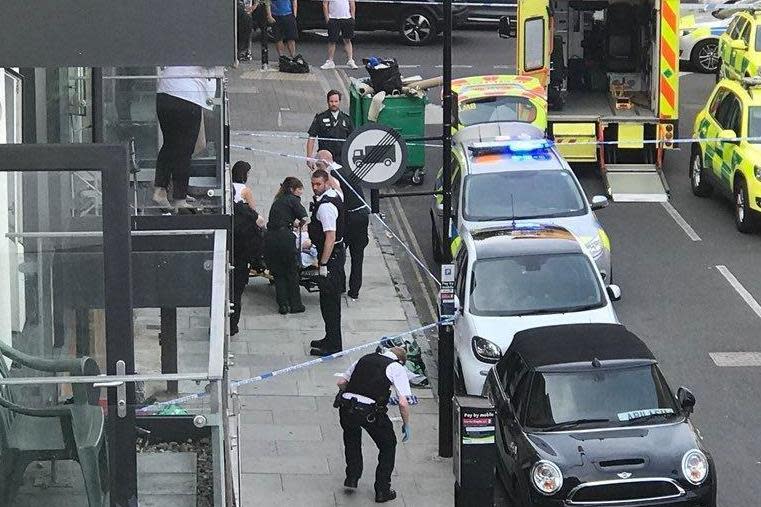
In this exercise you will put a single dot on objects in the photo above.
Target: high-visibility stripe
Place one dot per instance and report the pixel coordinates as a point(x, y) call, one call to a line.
point(669, 63)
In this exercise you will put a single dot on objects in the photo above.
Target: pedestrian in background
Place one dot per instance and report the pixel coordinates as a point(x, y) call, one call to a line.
point(281, 253)
point(182, 94)
point(330, 128)
point(245, 22)
point(282, 14)
point(326, 232)
point(340, 19)
point(357, 220)
point(364, 392)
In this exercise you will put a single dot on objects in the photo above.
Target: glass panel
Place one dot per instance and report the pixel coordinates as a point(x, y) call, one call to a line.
point(130, 116)
point(74, 428)
point(533, 45)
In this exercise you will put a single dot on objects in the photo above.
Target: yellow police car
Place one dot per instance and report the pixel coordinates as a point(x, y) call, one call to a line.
point(740, 46)
point(495, 98)
point(719, 160)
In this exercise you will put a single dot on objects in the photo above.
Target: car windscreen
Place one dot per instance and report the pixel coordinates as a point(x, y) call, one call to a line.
point(534, 284)
point(522, 195)
point(605, 397)
point(754, 123)
point(493, 109)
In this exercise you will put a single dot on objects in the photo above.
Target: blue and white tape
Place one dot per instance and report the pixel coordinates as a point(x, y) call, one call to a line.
point(386, 341)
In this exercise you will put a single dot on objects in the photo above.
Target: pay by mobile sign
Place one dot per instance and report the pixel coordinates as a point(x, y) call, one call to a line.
point(446, 293)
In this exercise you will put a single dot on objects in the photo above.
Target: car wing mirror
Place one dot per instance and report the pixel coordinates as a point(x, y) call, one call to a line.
point(738, 44)
point(686, 400)
point(599, 202)
point(728, 136)
point(614, 292)
point(507, 28)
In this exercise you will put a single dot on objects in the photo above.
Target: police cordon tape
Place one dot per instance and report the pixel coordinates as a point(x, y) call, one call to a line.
point(364, 202)
point(386, 341)
point(687, 140)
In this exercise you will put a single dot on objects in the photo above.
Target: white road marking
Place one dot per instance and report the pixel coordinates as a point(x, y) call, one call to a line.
point(685, 73)
point(455, 66)
point(742, 291)
point(505, 67)
point(734, 359)
point(409, 66)
point(680, 221)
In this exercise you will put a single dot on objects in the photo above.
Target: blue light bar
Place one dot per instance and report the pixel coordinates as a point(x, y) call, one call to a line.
point(512, 146)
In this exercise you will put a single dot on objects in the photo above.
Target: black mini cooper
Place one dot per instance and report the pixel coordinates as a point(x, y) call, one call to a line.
point(585, 417)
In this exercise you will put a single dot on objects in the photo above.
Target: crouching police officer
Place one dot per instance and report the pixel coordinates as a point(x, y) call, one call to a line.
point(362, 400)
point(326, 232)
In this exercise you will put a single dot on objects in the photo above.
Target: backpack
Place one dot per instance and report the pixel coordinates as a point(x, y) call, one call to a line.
point(384, 74)
point(297, 65)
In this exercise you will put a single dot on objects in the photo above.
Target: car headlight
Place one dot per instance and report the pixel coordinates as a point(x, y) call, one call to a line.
point(595, 247)
point(695, 466)
point(757, 172)
point(547, 477)
point(485, 350)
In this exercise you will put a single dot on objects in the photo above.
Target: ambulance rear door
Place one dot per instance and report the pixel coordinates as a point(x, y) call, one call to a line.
point(534, 39)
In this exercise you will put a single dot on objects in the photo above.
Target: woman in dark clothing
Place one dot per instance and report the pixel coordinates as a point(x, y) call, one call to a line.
point(280, 248)
point(247, 239)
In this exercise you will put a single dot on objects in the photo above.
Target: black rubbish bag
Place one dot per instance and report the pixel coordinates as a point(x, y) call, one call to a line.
point(384, 74)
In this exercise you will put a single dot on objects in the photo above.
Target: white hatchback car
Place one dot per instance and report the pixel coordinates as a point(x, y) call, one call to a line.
point(508, 279)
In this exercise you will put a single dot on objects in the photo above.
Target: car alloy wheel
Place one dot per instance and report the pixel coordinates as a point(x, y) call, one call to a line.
point(705, 56)
point(418, 28)
point(743, 218)
point(700, 187)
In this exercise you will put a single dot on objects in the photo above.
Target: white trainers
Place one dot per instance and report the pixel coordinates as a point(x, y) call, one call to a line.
point(352, 64)
point(329, 64)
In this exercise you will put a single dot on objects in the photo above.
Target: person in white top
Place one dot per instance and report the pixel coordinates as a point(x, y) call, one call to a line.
point(240, 176)
point(340, 19)
point(181, 95)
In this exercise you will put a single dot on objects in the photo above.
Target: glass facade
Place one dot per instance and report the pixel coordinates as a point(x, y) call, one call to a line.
point(65, 438)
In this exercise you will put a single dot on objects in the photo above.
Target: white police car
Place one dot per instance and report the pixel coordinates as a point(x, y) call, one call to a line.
point(512, 278)
point(505, 172)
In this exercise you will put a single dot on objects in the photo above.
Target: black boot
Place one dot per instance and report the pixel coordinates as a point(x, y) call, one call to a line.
point(385, 496)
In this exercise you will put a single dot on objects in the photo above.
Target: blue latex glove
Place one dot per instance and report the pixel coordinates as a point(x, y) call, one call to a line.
point(407, 432)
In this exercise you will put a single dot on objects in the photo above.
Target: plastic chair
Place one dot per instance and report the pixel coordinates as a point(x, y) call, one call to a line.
point(71, 431)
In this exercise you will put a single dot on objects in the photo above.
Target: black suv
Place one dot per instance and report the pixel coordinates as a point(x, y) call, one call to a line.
point(417, 21)
point(585, 417)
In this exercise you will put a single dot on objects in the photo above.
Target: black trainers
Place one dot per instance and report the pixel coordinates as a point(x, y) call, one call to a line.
point(351, 483)
point(298, 309)
point(284, 309)
point(385, 496)
point(317, 343)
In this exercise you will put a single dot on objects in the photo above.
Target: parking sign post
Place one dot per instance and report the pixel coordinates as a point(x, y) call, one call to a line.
point(446, 361)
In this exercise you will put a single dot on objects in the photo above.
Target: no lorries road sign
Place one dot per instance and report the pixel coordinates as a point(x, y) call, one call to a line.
point(375, 154)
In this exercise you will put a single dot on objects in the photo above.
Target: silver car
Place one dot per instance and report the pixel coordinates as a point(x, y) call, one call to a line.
point(507, 173)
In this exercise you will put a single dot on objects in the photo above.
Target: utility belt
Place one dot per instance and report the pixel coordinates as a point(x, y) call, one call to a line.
point(359, 409)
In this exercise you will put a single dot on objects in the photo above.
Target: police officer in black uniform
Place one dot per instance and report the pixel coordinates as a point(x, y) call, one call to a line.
point(330, 124)
point(362, 400)
point(357, 221)
point(326, 230)
point(280, 247)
